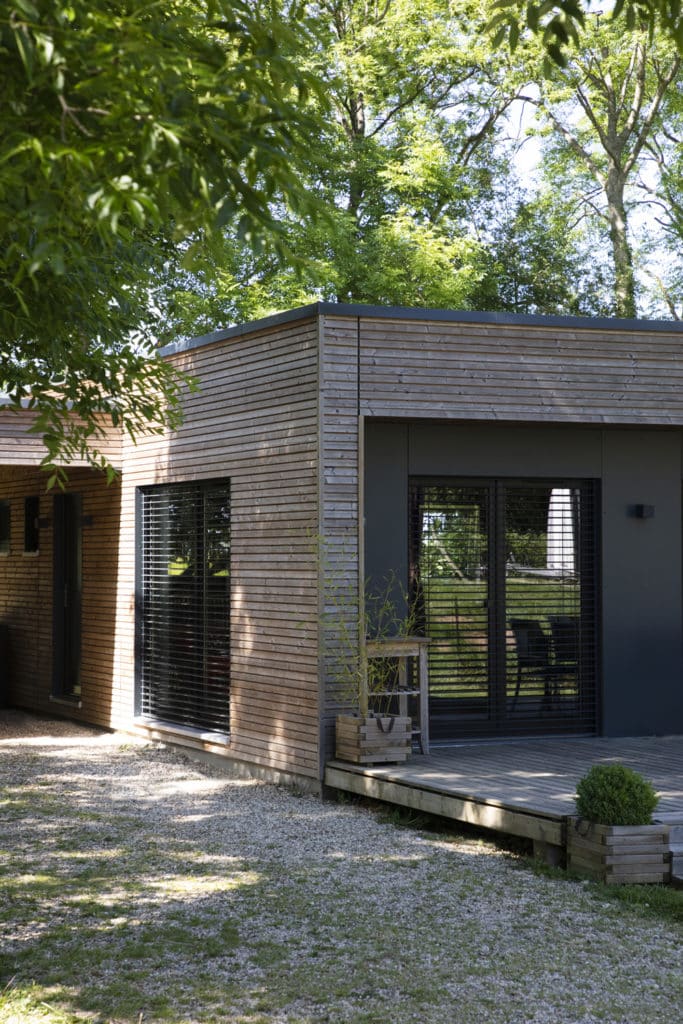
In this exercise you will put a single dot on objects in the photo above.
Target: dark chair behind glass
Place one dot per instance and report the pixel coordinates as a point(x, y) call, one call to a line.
point(564, 631)
point(532, 646)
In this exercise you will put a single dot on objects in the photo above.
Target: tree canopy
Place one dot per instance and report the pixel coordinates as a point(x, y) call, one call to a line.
point(127, 128)
point(411, 167)
point(560, 23)
point(402, 156)
point(171, 168)
point(601, 119)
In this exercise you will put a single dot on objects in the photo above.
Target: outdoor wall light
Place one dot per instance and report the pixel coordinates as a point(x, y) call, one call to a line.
point(643, 511)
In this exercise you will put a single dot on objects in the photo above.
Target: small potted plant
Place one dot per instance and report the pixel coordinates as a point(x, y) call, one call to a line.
point(374, 734)
point(377, 728)
point(612, 839)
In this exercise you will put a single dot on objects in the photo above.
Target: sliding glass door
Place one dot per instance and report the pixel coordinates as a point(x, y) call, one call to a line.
point(183, 622)
point(504, 576)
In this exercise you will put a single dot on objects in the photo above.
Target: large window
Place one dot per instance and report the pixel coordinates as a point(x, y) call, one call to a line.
point(504, 573)
point(183, 635)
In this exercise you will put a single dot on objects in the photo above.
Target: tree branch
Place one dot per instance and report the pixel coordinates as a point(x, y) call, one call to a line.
point(574, 145)
point(646, 126)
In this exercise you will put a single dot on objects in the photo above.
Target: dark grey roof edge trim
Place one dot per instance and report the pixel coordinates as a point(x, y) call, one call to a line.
point(288, 316)
point(436, 315)
point(519, 319)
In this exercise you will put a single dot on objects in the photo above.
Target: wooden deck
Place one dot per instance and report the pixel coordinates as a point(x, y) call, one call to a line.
point(524, 788)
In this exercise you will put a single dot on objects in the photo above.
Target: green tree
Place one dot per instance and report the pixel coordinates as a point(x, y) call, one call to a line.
point(541, 261)
point(128, 127)
point(559, 23)
point(400, 162)
point(413, 169)
point(664, 191)
point(602, 115)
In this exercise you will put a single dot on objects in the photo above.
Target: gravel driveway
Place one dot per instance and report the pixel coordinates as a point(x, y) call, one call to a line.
point(142, 887)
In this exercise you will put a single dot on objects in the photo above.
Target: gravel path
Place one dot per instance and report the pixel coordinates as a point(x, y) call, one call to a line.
point(142, 887)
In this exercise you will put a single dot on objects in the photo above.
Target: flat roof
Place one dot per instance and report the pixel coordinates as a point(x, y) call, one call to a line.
point(466, 316)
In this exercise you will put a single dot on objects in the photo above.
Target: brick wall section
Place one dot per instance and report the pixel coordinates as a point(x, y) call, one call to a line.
point(26, 582)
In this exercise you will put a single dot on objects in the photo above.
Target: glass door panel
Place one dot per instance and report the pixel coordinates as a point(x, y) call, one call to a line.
point(504, 573)
point(543, 601)
point(451, 534)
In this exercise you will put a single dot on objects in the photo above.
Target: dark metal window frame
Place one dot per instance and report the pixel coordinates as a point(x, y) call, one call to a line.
point(5, 526)
point(67, 561)
point(184, 683)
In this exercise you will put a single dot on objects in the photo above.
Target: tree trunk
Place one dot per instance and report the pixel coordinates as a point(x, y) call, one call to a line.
point(353, 120)
point(625, 291)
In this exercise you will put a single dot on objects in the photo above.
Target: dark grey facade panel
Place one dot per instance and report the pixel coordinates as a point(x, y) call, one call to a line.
point(641, 561)
point(386, 503)
point(492, 450)
point(642, 586)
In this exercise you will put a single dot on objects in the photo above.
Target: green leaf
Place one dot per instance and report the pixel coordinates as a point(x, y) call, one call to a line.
point(27, 8)
point(26, 50)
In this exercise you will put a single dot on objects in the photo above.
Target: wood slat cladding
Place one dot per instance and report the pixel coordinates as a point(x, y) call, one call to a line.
point(279, 414)
point(254, 421)
point(532, 373)
point(18, 447)
point(26, 594)
point(339, 452)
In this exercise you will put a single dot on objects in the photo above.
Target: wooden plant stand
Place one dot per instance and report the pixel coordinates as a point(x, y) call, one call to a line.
point(618, 854)
point(402, 648)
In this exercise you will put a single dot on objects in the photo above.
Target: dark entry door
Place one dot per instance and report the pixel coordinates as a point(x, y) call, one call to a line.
point(504, 574)
point(67, 588)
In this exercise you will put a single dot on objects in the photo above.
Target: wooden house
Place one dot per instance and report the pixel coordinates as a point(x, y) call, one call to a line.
point(515, 482)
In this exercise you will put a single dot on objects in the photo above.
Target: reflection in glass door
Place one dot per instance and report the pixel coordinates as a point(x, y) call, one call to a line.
point(451, 574)
point(504, 577)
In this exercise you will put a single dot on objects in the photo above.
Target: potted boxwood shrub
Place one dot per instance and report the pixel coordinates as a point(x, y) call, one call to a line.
point(613, 839)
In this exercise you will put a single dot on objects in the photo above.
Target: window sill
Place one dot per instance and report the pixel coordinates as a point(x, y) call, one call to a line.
point(182, 733)
point(69, 702)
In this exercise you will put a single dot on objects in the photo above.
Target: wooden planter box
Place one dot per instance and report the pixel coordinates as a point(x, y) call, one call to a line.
point(373, 739)
point(618, 854)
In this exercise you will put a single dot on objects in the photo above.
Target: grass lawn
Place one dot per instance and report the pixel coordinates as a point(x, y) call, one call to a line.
point(138, 887)
point(457, 622)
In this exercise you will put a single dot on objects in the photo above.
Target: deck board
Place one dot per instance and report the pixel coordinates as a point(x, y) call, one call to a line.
point(525, 787)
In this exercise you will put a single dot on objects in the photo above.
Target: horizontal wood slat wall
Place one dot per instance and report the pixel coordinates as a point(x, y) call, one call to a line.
point(26, 587)
point(277, 414)
point(255, 422)
point(18, 447)
point(527, 373)
point(339, 504)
